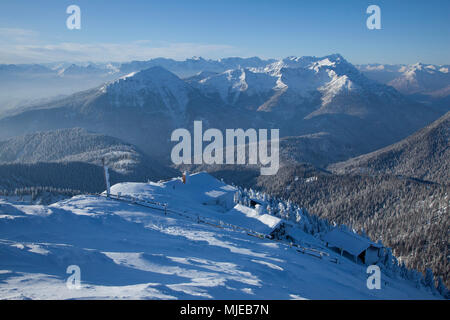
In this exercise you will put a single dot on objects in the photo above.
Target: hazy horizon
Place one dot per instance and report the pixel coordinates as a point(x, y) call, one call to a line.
point(36, 32)
point(86, 63)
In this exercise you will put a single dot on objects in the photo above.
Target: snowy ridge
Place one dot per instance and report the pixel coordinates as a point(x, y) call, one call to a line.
point(330, 76)
point(157, 83)
point(72, 145)
point(231, 83)
point(412, 79)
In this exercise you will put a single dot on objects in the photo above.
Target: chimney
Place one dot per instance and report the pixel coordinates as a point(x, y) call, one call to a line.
point(185, 177)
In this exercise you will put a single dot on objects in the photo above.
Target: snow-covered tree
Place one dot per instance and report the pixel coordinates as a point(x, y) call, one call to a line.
point(298, 215)
point(442, 289)
point(428, 281)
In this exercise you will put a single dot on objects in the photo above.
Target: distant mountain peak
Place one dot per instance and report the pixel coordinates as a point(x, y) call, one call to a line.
point(156, 72)
point(152, 87)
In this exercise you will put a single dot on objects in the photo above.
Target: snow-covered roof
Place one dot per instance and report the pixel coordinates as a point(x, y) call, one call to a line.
point(249, 218)
point(200, 188)
point(349, 241)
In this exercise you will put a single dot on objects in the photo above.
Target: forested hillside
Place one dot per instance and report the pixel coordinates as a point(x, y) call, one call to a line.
point(408, 215)
point(399, 194)
point(80, 176)
point(76, 155)
point(423, 155)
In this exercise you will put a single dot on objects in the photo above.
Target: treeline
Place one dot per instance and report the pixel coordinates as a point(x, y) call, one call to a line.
point(78, 145)
point(72, 177)
point(55, 145)
point(80, 176)
point(34, 192)
point(424, 155)
point(42, 195)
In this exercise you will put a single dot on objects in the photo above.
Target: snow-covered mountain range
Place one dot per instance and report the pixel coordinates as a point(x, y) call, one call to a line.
point(425, 83)
point(418, 77)
point(303, 97)
point(294, 82)
point(27, 83)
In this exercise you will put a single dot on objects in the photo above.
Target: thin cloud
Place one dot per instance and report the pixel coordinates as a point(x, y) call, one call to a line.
point(23, 46)
point(16, 33)
point(14, 36)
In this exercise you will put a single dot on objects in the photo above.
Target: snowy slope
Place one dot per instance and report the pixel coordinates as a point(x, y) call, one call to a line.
point(231, 83)
point(198, 196)
point(125, 251)
point(154, 86)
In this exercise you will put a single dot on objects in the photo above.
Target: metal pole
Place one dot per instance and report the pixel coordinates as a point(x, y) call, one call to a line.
point(106, 175)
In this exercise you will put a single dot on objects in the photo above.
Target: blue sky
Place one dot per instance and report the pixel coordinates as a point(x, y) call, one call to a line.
point(412, 31)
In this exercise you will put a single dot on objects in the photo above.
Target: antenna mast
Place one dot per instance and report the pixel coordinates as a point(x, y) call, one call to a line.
point(106, 173)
